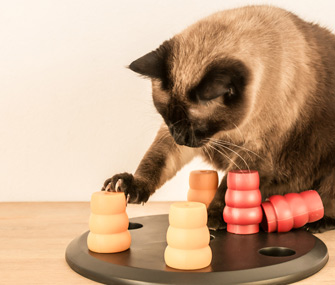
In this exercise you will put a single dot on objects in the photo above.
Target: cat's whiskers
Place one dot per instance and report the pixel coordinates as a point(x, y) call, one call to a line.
point(220, 141)
point(225, 143)
point(239, 131)
point(164, 136)
point(176, 138)
point(225, 155)
point(177, 122)
point(235, 145)
point(228, 148)
point(193, 135)
point(173, 125)
point(227, 134)
point(207, 151)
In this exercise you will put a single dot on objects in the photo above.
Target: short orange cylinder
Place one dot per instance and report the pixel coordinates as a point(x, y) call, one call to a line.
point(203, 196)
point(204, 179)
point(203, 186)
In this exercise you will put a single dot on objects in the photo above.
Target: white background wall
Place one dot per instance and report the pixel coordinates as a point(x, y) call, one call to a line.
point(71, 114)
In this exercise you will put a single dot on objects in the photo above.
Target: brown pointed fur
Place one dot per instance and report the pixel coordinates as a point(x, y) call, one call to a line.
point(286, 127)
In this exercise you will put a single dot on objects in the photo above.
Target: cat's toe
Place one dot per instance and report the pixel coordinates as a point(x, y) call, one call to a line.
point(323, 225)
point(122, 182)
point(215, 221)
point(135, 189)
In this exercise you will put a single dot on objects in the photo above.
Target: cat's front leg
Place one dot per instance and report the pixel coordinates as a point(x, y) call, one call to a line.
point(160, 163)
point(215, 209)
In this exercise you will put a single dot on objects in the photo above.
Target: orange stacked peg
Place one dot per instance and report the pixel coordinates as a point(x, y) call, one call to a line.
point(108, 223)
point(188, 237)
point(203, 186)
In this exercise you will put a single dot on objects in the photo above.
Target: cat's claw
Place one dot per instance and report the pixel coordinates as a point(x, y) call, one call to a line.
point(117, 185)
point(215, 223)
point(136, 190)
point(116, 188)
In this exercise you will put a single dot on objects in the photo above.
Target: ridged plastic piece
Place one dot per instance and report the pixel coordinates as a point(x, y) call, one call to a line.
point(108, 223)
point(188, 237)
point(293, 210)
point(243, 211)
point(203, 186)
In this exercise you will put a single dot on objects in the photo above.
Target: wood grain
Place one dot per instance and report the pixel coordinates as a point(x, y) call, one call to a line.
point(34, 236)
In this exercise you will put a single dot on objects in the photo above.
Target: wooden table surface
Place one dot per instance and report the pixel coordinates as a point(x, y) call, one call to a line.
point(34, 236)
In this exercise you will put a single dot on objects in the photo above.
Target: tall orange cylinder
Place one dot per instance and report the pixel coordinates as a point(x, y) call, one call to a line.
point(108, 223)
point(203, 186)
point(188, 237)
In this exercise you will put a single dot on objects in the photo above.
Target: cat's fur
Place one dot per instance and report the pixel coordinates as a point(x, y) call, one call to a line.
point(252, 87)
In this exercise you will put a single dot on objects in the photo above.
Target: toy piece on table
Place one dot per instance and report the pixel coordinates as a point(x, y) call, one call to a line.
point(203, 186)
point(293, 210)
point(188, 237)
point(108, 223)
point(243, 211)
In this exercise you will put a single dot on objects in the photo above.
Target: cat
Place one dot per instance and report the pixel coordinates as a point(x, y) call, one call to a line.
point(247, 88)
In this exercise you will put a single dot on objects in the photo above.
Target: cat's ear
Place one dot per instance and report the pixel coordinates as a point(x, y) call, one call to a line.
point(153, 64)
point(148, 65)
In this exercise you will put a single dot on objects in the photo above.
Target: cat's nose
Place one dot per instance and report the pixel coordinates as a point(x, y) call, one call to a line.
point(178, 134)
point(182, 136)
point(183, 139)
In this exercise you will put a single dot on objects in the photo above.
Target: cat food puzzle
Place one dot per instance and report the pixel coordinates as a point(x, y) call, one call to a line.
point(264, 241)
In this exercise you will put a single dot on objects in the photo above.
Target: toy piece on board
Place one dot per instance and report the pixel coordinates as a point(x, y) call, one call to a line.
point(203, 186)
point(108, 223)
point(188, 237)
point(293, 210)
point(243, 211)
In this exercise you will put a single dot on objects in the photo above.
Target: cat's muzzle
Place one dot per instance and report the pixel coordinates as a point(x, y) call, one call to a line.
point(185, 137)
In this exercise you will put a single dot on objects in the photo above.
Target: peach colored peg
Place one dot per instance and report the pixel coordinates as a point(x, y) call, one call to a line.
point(188, 237)
point(108, 223)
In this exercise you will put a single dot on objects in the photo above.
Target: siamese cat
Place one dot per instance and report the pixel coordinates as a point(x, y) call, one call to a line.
point(248, 88)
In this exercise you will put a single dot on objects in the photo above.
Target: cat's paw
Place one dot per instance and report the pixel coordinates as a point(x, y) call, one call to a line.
point(135, 189)
point(323, 225)
point(215, 220)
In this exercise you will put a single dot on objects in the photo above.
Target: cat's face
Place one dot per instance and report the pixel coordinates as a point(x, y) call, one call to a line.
point(198, 103)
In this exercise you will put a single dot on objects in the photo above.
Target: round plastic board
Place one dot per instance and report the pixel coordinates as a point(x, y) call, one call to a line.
point(262, 258)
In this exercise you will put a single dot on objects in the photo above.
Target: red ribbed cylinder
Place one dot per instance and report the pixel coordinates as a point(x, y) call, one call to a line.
point(243, 180)
point(298, 208)
point(314, 205)
point(293, 210)
point(243, 198)
point(242, 212)
point(242, 216)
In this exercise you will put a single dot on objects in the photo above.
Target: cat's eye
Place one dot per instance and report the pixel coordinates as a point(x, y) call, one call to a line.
point(215, 91)
point(231, 91)
point(214, 85)
point(231, 96)
point(212, 91)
